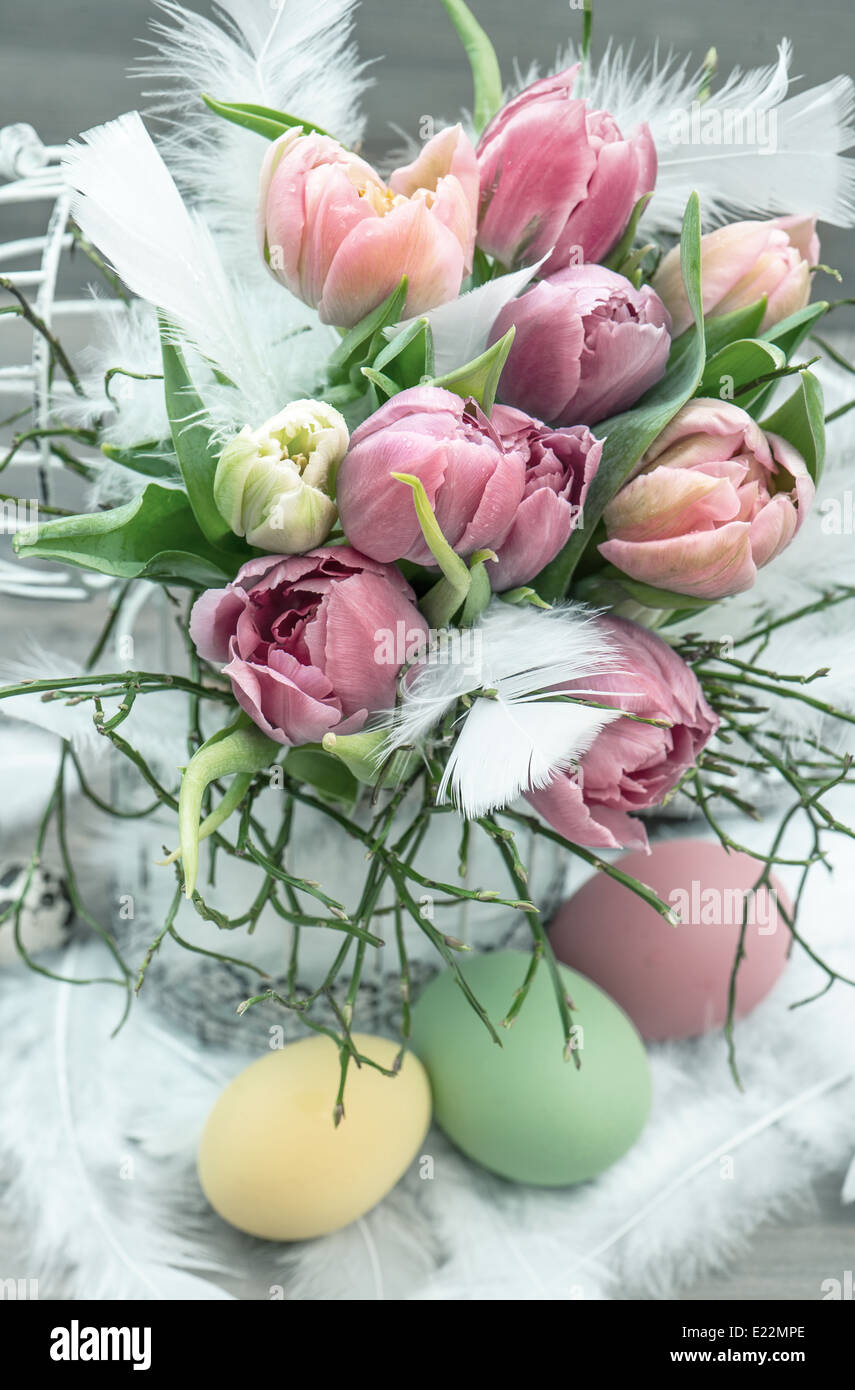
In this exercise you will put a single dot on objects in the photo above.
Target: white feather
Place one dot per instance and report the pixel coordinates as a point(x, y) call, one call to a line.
point(462, 326)
point(127, 204)
point(751, 178)
point(296, 56)
point(507, 747)
point(512, 740)
point(70, 722)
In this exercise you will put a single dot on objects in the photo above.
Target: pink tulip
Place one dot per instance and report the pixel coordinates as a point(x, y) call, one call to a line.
point(340, 239)
point(557, 177)
point(559, 467)
point(301, 639)
point(474, 484)
point(587, 345)
point(630, 766)
point(742, 262)
point(714, 500)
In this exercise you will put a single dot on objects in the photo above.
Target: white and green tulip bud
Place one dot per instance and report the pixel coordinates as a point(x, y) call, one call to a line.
point(276, 485)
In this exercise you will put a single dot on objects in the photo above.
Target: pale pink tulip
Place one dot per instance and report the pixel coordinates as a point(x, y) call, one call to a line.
point(715, 499)
point(740, 263)
point(560, 465)
point(473, 482)
point(341, 239)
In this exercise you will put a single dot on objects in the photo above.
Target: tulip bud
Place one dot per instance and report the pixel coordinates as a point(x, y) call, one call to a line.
point(714, 501)
point(275, 485)
point(742, 262)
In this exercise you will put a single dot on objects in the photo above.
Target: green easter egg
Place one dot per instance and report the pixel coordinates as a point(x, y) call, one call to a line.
point(522, 1110)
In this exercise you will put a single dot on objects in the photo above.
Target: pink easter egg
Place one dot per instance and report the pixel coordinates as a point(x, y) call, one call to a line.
point(673, 981)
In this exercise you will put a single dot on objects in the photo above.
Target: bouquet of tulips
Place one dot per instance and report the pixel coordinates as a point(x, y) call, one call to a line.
point(449, 484)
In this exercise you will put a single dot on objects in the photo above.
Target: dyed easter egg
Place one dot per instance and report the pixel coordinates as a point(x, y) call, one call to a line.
point(522, 1110)
point(673, 981)
point(271, 1161)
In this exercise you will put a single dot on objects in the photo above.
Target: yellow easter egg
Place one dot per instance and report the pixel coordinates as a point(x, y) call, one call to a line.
point(271, 1161)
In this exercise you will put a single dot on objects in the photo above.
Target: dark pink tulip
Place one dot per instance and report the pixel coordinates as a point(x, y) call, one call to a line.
point(588, 345)
point(630, 766)
point(559, 466)
point(714, 500)
point(557, 177)
point(301, 638)
point(473, 482)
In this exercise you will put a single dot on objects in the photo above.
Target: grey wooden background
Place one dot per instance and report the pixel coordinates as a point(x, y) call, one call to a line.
point(63, 68)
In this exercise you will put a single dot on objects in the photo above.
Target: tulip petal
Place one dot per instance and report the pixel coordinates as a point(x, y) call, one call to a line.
point(212, 622)
point(706, 564)
point(533, 380)
point(449, 152)
point(669, 502)
point(358, 616)
point(543, 524)
point(525, 201)
point(601, 215)
point(594, 826)
point(370, 262)
point(376, 510)
point(289, 702)
point(619, 363)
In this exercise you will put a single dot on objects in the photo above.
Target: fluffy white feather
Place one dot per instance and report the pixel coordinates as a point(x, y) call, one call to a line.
point(516, 654)
point(296, 56)
point(754, 177)
point(127, 204)
point(506, 747)
point(157, 730)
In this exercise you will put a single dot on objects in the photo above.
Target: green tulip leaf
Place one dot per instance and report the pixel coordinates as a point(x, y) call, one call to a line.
point(194, 445)
point(362, 343)
point(486, 74)
point(479, 379)
point(241, 749)
point(628, 436)
point(801, 421)
point(264, 120)
point(737, 365)
point(327, 774)
point(722, 329)
point(623, 253)
point(155, 536)
point(152, 460)
point(789, 334)
point(450, 592)
point(408, 357)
